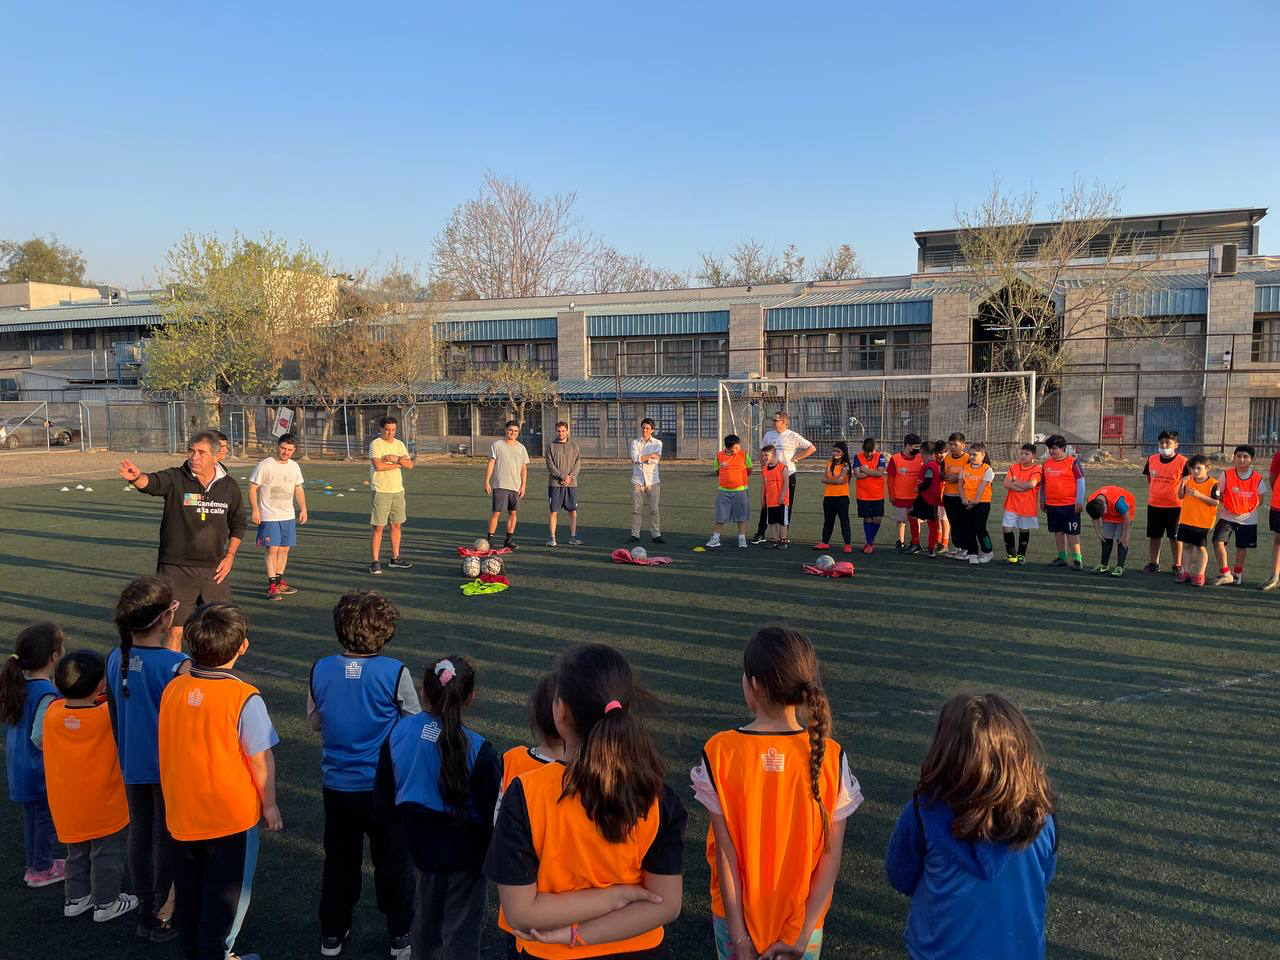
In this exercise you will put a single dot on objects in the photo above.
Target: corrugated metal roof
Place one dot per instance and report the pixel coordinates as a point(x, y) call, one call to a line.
point(1161, 302)
point(522, 328)
point(139, 320)
point(606, 388)
point(658, 324)
point(95, 312)
point(850, 315)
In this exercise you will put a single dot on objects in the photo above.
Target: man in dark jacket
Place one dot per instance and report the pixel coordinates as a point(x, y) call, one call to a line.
point(201, 529)
point(564, 460)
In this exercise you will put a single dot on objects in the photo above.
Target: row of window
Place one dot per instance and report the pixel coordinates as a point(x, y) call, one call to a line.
point(621, 419)
point(48, 340)
point(872, 351)
point(680, 357)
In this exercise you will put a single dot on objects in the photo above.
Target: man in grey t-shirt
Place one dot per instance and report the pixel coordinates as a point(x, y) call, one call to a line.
point(504, 480)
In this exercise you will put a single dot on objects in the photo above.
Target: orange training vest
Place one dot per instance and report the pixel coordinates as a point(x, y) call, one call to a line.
point(972, 479)
point(870, 488)
point(1197, 513)
point(516, 761)
point(762, 783)
point(208, 789)
point(1112, 495)
point(1240, 495)
point(1164, 480)
point(837, 489)
point(572, 855)
point(82, 772)
point(733, 470)
point(906, 476)
point(1022, 502)
point(950, 464)
point(777, 487)
point(1059, 482)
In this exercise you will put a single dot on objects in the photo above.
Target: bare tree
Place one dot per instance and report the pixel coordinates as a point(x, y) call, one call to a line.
point(514, 387)
point(413, 343)
point(838, 263)
point(614, 272)
point(751, 263)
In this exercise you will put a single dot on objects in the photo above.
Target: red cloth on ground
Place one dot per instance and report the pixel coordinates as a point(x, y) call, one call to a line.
point(493, 578)
point(842, 569)
point(470, 552)
point(623, 555)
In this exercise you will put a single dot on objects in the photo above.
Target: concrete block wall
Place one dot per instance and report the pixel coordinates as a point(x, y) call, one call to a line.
point(1084, 326)
point(746, 339)
point(1226, 419)
point(572, 355)
point(952, 327)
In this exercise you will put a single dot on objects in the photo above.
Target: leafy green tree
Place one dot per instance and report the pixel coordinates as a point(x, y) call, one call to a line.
point(40, 260)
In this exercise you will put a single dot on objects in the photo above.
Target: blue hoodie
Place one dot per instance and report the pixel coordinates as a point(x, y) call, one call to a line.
point(969, 901)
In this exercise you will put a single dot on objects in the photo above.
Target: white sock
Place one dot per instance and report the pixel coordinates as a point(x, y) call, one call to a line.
point(742, 538)
point(715, 538)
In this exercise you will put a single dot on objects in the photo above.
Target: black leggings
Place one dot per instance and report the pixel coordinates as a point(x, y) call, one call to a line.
point(150, 847)
point(764, 510)
point(833, 507)
point(972, 535)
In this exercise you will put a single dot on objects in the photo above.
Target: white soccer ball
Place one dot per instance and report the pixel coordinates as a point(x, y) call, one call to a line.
point(491, 566)
point(471, 567)
point(481, 545)
point(639, 553)
point(825, 563)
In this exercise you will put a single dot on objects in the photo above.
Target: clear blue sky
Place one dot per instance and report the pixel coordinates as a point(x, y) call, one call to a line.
point(682, 126)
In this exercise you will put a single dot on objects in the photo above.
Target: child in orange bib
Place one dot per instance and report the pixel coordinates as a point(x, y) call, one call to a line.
point(778, 793)
point(86, 789)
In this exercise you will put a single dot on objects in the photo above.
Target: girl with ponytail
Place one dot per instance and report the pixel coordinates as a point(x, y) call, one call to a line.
point(26, 690)
point(780, 776)
point(438, 779)
point(137, 673)
point(587, 852)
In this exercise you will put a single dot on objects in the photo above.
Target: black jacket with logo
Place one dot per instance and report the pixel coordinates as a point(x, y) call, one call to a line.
point(197, 522)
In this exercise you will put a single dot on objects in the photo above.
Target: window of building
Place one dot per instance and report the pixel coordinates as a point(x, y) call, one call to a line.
point(700, 420)
point(515, 352)
point(604, 358)
point(1264, 422)
point(493, 420)
point(584, 419)
point(677, 358)
point(1266, 340)
point(781, 356)
point(459, 419)
point(83, 340)
point(1124, 406)
point(13, 340)
point(822, 352)
point(485, 355)
point(544, 355)
point(624, 420)
point(911, 350)
point(49, 341)
point(714, 357)
point(663, 415)
point(640, 359)
point(866, 351)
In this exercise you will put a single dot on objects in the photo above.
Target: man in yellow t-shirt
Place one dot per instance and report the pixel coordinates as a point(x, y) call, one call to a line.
point(387, 457)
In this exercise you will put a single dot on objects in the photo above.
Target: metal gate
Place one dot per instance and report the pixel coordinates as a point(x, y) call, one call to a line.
point(1158, 418)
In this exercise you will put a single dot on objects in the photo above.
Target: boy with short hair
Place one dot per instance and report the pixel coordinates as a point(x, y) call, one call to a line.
point(1274, 524)
point(86, 789)
point(928, 502)
point(274, 485)
point(1062, 496)
point(1242, 489)
point(1199, 494)
point(218, 777)
point(777, 497)
point(953, 464)
point(903, 475)
point(1111, 510)
point(733, 499)
point(1021, 481)
point(353, 700)
point(1164, 472)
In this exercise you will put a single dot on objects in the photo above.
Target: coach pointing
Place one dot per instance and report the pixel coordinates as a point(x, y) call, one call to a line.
point(201, 529)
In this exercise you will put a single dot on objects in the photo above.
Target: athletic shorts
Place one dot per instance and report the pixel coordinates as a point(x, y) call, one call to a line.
point(387, 508)
point(192, 586)
point(922, 509)
point(1192, 536)
point(870, 509)
point(1273, 520)
point(900, 514)
point(1246, 534)
point(732, 506)
point(779, 515)
point(505, 501)
point(1162, 522)
point(1016, 521)
point(1112, 531)
point(561, 498)
point(1063, 520)
point(278, 533)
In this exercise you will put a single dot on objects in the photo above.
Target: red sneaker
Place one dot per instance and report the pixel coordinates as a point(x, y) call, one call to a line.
point(285, 588)
point(848, 548)
point(822, 546)
point(1198, 580)
point(1182, 577)
point(868, 549)
point(35, 879)
point(273, 591)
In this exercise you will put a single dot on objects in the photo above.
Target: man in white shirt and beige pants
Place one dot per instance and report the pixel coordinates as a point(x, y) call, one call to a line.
point(646, 484)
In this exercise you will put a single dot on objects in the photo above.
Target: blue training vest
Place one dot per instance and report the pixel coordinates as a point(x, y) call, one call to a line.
point(138, 715)
point(415, 760)
point(23, 762)
point(357, 698)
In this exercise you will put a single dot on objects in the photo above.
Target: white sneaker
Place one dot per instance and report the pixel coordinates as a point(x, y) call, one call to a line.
point(974, 561)
point(1270, 584)
point(123, 904)
point(984, 558)
point(73, 908)
point(713, 543)
point(960, 555)
point(551, 542)
point(1237, 579)
point(1223, 581)
point(742, 543)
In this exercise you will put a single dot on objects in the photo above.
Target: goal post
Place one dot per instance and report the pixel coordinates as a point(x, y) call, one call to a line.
point(997, 408)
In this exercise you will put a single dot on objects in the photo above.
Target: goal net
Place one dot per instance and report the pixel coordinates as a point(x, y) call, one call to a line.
point(997, 408)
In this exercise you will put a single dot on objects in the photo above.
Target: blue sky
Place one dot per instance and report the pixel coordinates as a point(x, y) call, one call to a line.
point(681, 126)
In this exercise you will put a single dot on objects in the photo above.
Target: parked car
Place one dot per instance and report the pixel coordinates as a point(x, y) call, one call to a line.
point(16, 432)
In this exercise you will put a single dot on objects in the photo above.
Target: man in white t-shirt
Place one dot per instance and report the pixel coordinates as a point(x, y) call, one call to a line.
point(792, 448)
point(274, 485)
point(387, 458)
point(646, 482)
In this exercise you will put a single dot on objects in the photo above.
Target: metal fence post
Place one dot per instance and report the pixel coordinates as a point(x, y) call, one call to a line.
point(346, 428)
point(110, 440)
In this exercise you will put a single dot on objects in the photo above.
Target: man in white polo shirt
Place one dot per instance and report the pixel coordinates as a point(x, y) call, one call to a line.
point(646, 482)
point(792, 448)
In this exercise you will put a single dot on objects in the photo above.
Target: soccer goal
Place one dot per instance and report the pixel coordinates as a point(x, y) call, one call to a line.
point(997, 408)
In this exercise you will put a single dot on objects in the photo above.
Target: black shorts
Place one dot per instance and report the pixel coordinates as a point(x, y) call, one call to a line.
point(505, 501)
point(1063, 520)
point(563, 498)
point(870, 509)
point(1192, 536)
point(1273, 520)
point(1162, 522)
point(779, 515)
point(922, 509)
point(192, 586)
point(1246, 534)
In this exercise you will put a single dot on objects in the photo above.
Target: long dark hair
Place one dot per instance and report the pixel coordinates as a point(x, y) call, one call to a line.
point(542, 718)
point(141, 606)
point(784, 665)
point(987, 765)
point(447, 685)
point(616, 772)
point(843, 448)
point(32, 650)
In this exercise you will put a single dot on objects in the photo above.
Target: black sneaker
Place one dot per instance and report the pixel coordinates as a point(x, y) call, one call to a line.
point(375, 568)
point(633, 539)
point(400, 947)
point(656, 540)
point(332, 946)
point(758, 538)
point(510, 543)
point(162, 931)
point(399, 563)
point(914, 548)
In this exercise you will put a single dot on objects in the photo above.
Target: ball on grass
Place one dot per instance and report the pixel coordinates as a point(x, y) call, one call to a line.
point(824, 562)
point(491, 566)
point(480, 545)
point(639, 553)
point(471, 567)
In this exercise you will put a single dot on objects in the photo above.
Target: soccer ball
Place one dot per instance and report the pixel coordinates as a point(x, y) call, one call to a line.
point(481, 545)
point(639, 553)
point(825, 563)
point(471, 567)
point(491, 565)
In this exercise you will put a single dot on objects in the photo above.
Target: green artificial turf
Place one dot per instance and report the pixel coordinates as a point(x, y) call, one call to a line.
point(1159, 705)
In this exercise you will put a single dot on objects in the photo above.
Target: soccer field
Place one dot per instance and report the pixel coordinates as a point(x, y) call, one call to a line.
point(1159, 705)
